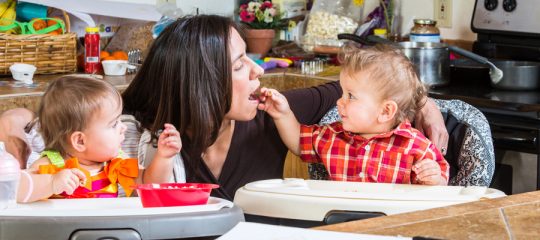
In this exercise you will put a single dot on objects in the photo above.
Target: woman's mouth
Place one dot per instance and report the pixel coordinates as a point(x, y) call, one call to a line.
point(256, 95)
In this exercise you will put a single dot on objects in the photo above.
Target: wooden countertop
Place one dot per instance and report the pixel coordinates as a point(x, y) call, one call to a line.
point(8, 88)
point(510, 217)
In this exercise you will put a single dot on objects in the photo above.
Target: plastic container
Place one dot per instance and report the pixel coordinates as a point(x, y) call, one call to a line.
point(10, 172)
point(116, 67)
point(174, 194)
point(23, 72)
point(380, 32)
point(327, 19)
point(91, 50)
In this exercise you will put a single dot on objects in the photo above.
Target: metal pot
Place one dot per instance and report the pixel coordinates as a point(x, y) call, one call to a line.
point(518, 75)
point(432, 60)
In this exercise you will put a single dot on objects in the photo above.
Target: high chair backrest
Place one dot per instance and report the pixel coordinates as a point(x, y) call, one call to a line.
point(470, 148)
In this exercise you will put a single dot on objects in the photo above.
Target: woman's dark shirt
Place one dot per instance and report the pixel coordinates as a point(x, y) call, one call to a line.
point(256, 150)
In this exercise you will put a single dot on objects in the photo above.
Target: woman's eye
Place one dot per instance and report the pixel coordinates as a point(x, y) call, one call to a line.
point(351, 96)
point(115, 124)
point(238, 67)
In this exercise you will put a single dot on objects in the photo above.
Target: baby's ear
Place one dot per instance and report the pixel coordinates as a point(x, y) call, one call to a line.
point(388, 111)
point(78, 141)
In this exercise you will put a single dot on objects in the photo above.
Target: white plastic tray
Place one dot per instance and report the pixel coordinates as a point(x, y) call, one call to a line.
point(129, 206)
point(313, 199)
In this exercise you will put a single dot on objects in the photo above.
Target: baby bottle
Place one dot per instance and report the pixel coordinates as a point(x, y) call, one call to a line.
point(9, 178)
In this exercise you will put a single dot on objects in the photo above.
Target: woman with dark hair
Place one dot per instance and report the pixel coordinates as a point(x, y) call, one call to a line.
point(198, 77)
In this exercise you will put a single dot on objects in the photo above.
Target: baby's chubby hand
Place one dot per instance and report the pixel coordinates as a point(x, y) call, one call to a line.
point(67, 180)
point(274, 103)
point(428, 172)
point(169, 142)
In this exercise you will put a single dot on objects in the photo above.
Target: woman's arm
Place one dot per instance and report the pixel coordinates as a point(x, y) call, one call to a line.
point(429, 120)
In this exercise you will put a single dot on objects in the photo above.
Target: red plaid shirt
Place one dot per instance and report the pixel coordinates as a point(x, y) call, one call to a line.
point(387, 157)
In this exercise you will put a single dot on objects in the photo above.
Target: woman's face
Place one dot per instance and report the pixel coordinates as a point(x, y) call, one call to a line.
point(245, 81)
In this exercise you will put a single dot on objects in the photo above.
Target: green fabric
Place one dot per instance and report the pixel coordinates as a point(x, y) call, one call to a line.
point(55, 158)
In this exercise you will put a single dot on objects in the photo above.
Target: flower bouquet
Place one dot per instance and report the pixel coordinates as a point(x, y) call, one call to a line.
point(258, 14)
point(262, 18)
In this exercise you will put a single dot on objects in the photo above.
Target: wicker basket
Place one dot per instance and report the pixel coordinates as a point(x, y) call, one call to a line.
point(49, 53)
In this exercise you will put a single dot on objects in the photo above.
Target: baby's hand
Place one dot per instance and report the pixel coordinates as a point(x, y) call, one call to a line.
point(67, 180)
point(428, 172)
point(169, 142)
point(274, 103)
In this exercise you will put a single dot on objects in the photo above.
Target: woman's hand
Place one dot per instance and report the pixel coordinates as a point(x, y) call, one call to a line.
point(67, 180)
point(429, 120)
point(169, 142)
point(274, 103)
point(428, 172)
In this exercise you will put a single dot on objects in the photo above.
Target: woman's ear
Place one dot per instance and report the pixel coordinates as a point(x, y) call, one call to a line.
point(78, 141)
point(388, 112)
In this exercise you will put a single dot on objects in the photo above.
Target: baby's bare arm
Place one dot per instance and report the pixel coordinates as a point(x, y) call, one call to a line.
point(276, 105)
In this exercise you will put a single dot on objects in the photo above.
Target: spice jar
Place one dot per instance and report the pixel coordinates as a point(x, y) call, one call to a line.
point(424, 30)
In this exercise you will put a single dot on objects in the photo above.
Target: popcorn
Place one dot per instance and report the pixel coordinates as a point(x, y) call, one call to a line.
point(323, 28)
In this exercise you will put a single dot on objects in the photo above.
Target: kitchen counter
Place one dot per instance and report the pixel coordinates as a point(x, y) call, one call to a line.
point(510, 217)
point(280, 79)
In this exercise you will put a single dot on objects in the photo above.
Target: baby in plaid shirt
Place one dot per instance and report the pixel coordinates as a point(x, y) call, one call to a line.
point(374, 141)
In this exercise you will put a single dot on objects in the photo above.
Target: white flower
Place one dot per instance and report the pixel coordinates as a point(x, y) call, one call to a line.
point(252, 6)
point(268, 17)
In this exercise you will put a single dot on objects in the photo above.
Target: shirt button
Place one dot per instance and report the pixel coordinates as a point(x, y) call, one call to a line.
point(367, 147)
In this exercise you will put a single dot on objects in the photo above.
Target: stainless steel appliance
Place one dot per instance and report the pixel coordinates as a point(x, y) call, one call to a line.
point(510, 29)
point(507, 29)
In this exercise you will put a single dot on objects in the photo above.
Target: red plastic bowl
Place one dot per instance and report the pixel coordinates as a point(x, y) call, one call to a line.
point(174, 194)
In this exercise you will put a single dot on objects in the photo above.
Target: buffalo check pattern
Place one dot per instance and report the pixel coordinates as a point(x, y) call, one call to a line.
point(386, 158)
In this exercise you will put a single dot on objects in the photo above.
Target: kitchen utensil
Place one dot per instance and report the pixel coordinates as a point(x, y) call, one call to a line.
point(174, 194)
point(495, 73)
point(134, 58)
point(431, 59)
point(519, 75)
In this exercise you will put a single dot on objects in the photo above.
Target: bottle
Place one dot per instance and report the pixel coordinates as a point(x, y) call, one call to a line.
point(424, 30)
point(10, 172)
point(91, 50)
point(380, 32)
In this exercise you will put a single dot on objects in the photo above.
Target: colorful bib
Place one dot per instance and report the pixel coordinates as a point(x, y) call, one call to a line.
point(101, 185)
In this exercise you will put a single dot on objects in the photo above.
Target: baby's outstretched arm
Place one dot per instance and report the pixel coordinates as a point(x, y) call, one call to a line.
point(169, 144)
point(276, 105)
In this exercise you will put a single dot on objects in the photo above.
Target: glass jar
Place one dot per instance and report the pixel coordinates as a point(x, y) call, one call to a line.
point(424, 30)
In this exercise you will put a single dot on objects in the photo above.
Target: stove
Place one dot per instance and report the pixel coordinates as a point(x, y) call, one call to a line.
point(510, 30)
point(507, 29)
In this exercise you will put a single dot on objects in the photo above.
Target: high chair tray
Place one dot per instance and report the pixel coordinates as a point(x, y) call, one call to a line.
point(122, 218)
point(313, 199)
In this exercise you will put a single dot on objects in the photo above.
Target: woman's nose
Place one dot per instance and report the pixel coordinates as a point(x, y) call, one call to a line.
point(256, 70)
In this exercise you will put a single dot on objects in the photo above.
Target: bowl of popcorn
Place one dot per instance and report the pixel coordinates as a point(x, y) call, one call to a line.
point(174, 194)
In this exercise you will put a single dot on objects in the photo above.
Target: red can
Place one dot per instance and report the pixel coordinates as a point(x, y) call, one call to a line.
point(91, 50)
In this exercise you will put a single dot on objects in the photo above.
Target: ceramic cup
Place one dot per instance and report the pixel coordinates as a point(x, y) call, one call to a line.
point(116, 67)
point(23, 72)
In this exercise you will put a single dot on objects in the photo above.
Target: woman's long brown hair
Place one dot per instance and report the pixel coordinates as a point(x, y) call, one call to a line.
point(186, 80)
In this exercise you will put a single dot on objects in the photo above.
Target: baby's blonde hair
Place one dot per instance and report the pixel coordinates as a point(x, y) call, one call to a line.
point(68, 105)
point(390, 73)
